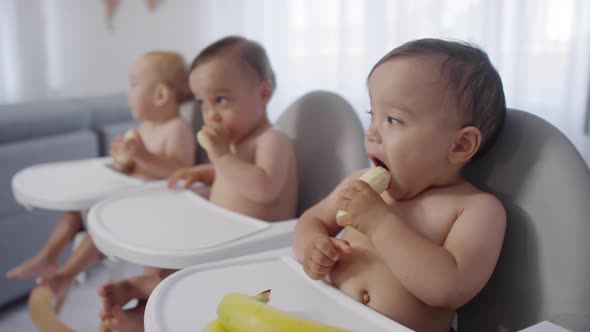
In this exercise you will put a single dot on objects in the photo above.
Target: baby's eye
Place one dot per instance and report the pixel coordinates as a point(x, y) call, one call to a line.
point(393, 120)
point(221, 100)
point(370, 114)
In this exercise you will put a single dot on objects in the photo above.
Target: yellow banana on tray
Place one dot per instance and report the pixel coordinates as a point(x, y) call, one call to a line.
point(377, 178)
point(243, 313)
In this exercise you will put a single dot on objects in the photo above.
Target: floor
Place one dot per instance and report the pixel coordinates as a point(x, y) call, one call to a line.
point(16, 317)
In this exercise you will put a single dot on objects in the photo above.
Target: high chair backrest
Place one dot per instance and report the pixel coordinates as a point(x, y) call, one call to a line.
point(544, 270)
point(191, 113)
point(328, 139)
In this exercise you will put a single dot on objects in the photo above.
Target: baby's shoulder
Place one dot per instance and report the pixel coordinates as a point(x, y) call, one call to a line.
point(274, 137)
point(470, 198)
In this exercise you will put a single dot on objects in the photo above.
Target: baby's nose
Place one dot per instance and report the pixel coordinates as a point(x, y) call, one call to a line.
point(373, 136)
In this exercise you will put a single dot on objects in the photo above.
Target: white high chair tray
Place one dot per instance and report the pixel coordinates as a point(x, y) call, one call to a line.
point(188, 299)
point(70, 185)
point(154, 226)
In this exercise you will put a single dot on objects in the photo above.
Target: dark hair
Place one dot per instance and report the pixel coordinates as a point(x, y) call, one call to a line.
point(475, 81)
point(249, 51)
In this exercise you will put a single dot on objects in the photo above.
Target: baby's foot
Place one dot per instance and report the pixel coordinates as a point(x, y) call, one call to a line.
point(36, 266)
point(57, 283)
point(114, 293)
point(126, 320)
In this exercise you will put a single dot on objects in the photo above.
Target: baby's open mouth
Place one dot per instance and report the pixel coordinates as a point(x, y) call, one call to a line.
point(378, 163)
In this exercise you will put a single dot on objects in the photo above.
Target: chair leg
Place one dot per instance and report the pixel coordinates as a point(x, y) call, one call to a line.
point(43, 312)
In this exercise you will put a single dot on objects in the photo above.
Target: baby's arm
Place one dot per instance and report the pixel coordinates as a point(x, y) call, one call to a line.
point(451, 275)
point(263, 180)
point(313, 238)
point(179, 152)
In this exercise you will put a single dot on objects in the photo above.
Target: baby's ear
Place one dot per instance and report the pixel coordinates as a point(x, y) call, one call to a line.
point(266, 91)
point(162, 94)
point(465, 145)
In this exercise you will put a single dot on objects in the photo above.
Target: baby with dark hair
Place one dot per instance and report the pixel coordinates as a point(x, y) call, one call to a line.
point(252, 169)
point(430, 242)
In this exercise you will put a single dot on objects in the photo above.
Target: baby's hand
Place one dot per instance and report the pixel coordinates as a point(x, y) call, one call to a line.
point(321, 255)
point(364, 206)
point(134, 147)
point(116, 146)
point(190, 175)
point(218, 140)
point(122, 164)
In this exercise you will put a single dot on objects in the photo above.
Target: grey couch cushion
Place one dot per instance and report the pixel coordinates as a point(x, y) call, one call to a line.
point(16, 156)
point(108, 109)
point(39, 119)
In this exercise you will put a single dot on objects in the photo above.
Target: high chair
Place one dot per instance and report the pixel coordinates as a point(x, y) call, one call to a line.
point(542, 273)
point(73, 186)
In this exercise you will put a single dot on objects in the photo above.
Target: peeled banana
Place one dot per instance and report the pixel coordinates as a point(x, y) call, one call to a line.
point(377, 178)
point(242, 313)
point(203, 140)
point(122, 158)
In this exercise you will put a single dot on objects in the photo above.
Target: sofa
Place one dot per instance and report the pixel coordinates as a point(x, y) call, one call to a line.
point(41, 132)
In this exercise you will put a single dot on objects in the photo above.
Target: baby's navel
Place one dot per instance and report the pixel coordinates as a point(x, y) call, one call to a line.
point(366, 297)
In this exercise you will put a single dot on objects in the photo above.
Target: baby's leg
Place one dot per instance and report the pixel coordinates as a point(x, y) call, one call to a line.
point(45, 262)
point(117, 294)
point(80, 260)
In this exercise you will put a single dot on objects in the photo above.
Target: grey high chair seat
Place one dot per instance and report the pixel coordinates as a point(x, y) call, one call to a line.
point(543, 272)
point(328, 139)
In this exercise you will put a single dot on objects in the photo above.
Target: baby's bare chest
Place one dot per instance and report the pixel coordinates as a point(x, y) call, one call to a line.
point(155, 139)
point(431, 217)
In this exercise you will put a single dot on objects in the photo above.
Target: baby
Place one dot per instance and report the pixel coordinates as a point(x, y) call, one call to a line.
point(429, 243)
point(252, 169)
point(162, 144)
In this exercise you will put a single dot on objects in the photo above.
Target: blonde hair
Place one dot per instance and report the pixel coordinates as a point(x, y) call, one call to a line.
point(172, 70)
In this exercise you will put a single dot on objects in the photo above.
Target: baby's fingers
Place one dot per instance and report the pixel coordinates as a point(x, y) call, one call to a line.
point(341, 245)
point(312, 274)
point(328, 249)
point(319, 269)
point(319, 258)
point(174, 178)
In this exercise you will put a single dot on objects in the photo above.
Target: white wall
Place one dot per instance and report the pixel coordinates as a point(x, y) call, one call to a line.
point(93, 59)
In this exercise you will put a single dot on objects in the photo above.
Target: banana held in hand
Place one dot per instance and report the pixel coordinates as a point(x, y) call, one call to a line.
point(122, 157)
point(242, 313)
point(377, 178)
point(203, 140)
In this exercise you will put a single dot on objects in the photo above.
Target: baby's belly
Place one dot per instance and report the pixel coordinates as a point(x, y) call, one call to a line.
point(364, 276)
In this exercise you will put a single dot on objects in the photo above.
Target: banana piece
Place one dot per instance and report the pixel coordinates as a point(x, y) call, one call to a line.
point(203, 140)
point(377, 178)
point(243, 313)
point(121, 158)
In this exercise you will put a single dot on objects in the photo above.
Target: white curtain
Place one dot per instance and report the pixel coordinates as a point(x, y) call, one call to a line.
point(541, 47)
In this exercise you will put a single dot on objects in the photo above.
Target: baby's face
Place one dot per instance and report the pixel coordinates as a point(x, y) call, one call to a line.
point(141, 96)
point(413, 124)
point(229, 93)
